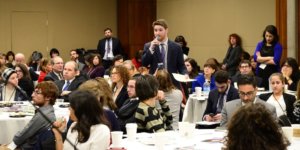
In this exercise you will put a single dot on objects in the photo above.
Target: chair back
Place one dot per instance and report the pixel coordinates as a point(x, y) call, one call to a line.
point(45, 140)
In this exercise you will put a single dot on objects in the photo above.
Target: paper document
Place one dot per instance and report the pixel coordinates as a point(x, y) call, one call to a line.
point(207, 123)
point(182, 78)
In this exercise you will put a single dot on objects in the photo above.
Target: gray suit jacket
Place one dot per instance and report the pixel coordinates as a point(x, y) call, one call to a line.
point(231, 107)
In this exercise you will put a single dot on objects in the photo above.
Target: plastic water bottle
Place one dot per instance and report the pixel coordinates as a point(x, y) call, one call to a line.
point(206, 87)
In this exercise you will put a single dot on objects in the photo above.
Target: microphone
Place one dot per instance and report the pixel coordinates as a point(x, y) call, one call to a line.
point(22, 92)
point(157, 37)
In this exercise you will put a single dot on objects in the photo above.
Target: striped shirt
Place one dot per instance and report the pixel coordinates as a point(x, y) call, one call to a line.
point(149, 119)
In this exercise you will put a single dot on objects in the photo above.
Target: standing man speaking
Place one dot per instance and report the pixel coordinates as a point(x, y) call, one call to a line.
point(162, 53)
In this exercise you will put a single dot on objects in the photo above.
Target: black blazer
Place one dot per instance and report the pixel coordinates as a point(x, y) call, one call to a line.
point(289, 100)
point(122, 97)
point(213, 96)
point(116, 47)
point(175, 62)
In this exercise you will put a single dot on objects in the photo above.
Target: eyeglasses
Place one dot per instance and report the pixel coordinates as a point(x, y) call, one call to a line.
point(242, 94)
point(244, 66)
point(115, 73)
point(37, 92)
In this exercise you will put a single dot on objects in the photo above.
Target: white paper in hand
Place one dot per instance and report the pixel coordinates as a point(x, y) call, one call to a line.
point(182, 78)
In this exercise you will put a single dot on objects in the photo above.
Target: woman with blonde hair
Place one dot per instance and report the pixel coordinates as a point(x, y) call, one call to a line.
point(94, 87)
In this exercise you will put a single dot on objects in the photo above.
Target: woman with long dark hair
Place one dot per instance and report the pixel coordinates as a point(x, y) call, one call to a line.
point(268, 54)
point(95, 68)
point(290, 72)
point(90, 129)
point(24, 78)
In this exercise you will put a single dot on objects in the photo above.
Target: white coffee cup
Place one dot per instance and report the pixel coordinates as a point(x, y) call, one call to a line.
point(296, 131)
point(131, 129)
point(288, 132)
point(116, 137)
point(198, 91)
point(160, 140)
point(60, 100)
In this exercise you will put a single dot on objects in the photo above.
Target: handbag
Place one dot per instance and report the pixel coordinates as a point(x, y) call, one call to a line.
point(283, 120)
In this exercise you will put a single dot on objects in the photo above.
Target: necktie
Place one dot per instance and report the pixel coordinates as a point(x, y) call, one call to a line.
point(220, 102)
point(108, 46)
point(66, 86)
point(162, 52)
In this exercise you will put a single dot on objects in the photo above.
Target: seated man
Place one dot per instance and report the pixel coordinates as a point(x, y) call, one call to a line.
point(245, 68)
point(224, 92)
point(44, 97)
point(72, 80)
point(57, 69)
point(126, 112)
point(247, 91)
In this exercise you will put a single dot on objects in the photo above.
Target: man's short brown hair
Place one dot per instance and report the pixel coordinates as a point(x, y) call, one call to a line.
point(161, 22)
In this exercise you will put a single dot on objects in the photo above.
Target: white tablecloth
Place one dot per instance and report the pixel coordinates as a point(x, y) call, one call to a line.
point(203, 139)
point(194, 109)
point(10, 126)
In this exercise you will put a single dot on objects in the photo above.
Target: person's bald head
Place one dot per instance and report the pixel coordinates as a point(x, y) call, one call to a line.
point(20, 58)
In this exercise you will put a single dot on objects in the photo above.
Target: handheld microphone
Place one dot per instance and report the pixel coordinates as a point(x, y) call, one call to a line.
point(157, 37)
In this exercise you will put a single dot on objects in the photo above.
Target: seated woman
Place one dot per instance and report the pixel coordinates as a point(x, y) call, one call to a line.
point(173, 96)
point(45, 67)
point(90, 129)
point(94, 86)
point(8, 90)
point(119, 78)
point(290, 72)
point(283, 102)
point(95, 68)
point(24, 78)
point(193, 71)
point(147, 117)
point(207, 76)
point(249, 128)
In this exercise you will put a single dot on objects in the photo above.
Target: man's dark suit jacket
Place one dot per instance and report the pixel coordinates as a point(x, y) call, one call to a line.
point(213, 97)
point(73, 86)
point(175, 62)
point(116, 46)
point(51, 77)
point(289, 100)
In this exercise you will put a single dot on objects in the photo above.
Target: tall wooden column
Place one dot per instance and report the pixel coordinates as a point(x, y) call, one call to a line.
point(281, 24)
point(134, 21)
